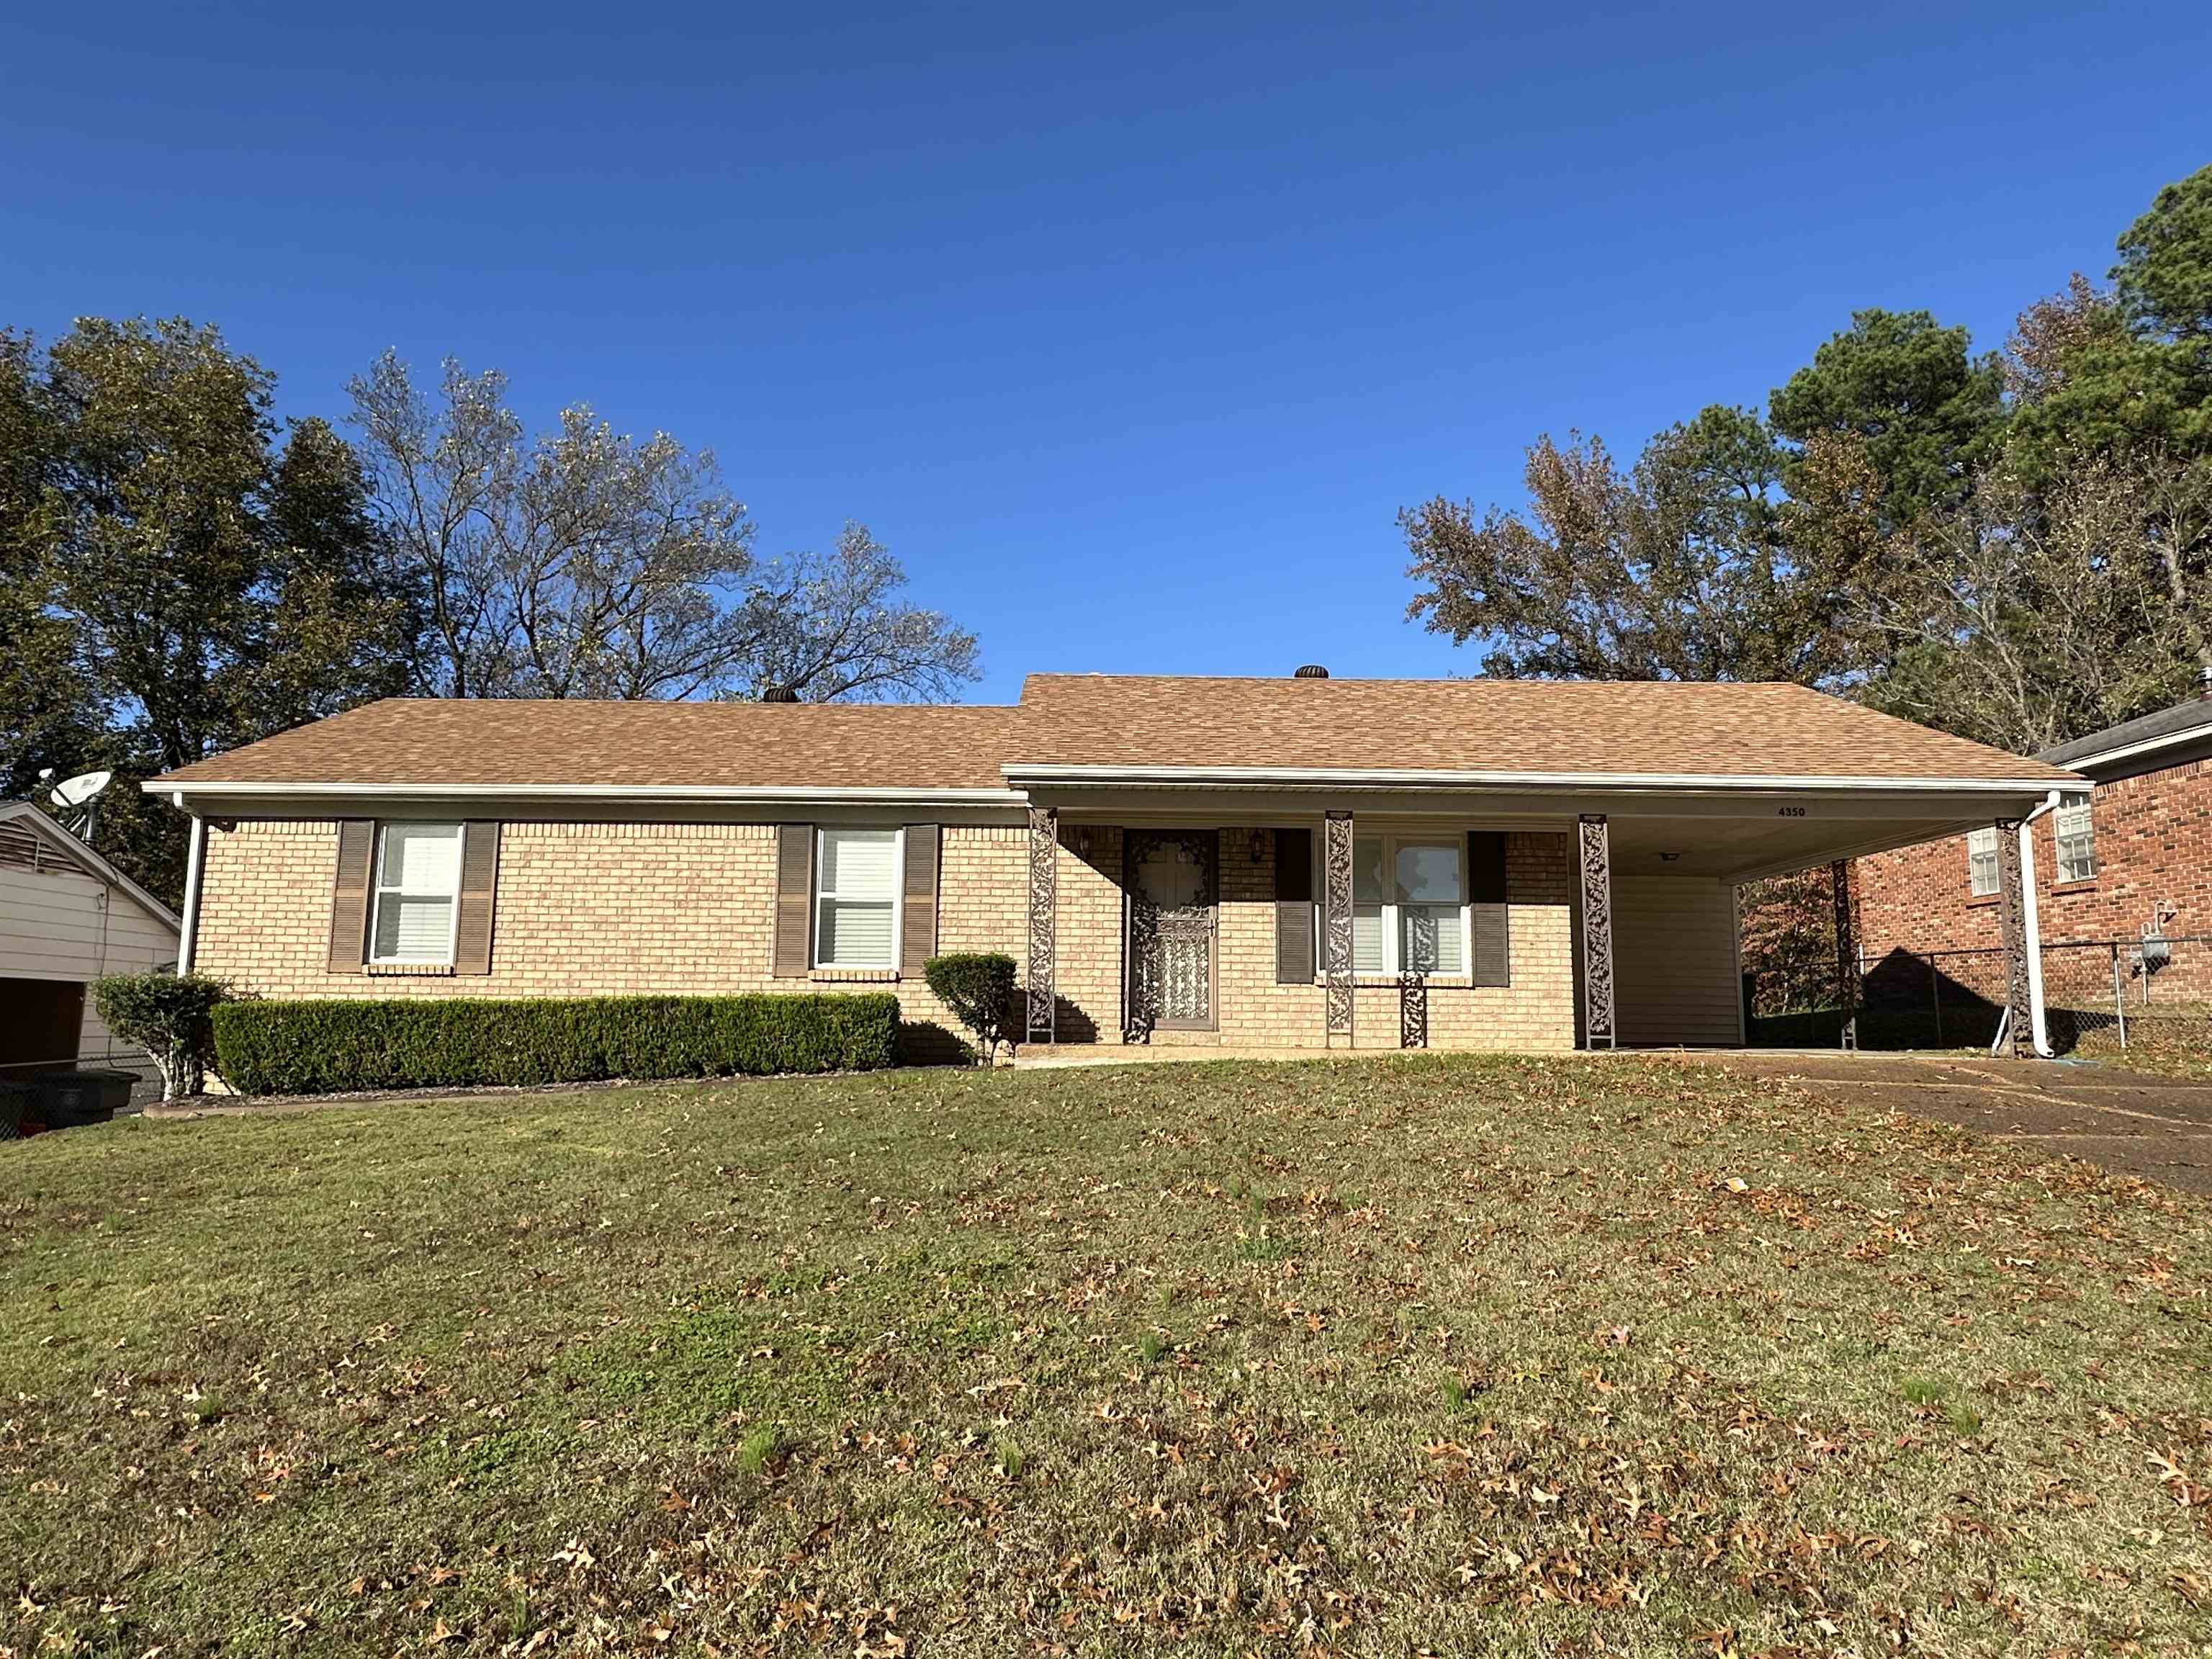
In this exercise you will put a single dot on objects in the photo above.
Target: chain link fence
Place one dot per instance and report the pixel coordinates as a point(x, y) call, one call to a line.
point(2102, 998)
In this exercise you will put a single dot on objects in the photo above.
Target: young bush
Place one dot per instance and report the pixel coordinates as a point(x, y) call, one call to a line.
point(169, 1016)
point(326, 1048)
point(978, 986)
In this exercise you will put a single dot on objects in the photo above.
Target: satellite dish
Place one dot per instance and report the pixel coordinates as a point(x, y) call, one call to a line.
point(73, 800)
point(77, 791)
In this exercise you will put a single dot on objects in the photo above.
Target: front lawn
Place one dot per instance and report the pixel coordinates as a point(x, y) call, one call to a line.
point(1372, 1357)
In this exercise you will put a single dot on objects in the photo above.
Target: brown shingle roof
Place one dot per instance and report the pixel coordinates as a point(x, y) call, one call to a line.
point(560, 744)
point(1667, 728)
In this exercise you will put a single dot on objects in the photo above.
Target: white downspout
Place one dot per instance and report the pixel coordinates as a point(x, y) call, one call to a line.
point(2038, 1028)
point(189, 929)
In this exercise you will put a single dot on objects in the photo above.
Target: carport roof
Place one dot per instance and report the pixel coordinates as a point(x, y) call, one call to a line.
point(1656, 730)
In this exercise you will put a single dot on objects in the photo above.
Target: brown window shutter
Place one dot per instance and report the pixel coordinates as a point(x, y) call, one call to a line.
point(917, 928)
point(479, 892)
point(1487, 913)
point(794, 900)
point(349, 896)
point(1294, 911)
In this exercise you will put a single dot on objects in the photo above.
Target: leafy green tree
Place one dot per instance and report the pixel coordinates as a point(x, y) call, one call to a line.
point(214, 591)
point(2164, 279)
point(1928, 412)
point(49, 716)
point(1690, 566)
point(2131, 368)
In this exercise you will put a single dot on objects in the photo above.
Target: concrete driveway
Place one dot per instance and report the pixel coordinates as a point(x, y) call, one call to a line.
point(2153, 1126)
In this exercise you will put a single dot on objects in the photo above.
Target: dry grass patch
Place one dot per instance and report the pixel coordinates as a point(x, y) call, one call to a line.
point(1366, 1357)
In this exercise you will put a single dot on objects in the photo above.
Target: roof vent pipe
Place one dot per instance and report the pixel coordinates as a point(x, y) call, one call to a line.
point(1312, 670)
point(778, 694)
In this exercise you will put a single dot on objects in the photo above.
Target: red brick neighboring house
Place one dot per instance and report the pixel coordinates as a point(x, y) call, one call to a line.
point(2133, 856)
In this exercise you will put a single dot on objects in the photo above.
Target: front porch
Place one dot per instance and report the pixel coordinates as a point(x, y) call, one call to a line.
point(1268, 921)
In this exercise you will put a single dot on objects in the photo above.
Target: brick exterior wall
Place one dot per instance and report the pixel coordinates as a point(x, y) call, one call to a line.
point(2153, 834)
point(583, 910)
point(2153, 846)
point(601, 908)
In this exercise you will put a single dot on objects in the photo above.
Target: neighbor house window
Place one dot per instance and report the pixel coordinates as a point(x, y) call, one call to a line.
point(2077, 840)
point(1982, 861)
point(1408, 905)
point(418, 880)
point(856, 899)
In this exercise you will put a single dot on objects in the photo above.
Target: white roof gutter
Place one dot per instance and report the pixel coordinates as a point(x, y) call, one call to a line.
point(1214, 777)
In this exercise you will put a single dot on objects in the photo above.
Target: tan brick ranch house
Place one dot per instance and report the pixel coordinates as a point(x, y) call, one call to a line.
point(1292, 862)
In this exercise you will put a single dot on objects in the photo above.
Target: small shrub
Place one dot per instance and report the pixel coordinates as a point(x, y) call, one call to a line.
point(1011, 1459)
point(1151, 1345)
point(978, 986)
point(1454, 1389)
point(170, 1016)
point(329, 1046)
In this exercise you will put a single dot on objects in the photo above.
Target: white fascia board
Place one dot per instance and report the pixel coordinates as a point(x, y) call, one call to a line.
point(184, 794)
point(1215, 777)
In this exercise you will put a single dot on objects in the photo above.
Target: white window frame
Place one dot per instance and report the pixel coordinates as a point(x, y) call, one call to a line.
point(380, 889)
point(1391, 841)
point(897, 833)
point(2081, 810)
point(1982, 845)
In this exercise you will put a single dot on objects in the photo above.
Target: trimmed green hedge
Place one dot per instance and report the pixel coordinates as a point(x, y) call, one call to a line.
point(329, 1046)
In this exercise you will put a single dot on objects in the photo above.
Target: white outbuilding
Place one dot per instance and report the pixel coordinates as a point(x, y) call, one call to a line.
point(67, 917)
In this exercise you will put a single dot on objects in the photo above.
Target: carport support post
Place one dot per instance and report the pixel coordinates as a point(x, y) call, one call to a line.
point(1337, 997)
point(1847, 953)
point(2019, 1015)
point(1044, 882)
point(1597, 933)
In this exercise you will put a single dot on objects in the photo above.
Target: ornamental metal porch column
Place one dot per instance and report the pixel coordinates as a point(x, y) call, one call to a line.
point(1847, 952)
point(1336, 928)
point(1044, 881)
point(1597, 933)
point(2019, 1013)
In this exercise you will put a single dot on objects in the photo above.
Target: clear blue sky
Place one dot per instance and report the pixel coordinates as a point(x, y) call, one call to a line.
point(1130, 333)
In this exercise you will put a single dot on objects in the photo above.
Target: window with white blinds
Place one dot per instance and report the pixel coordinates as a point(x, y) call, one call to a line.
point(1408, 906)
point(857, 898)
point(1982, 861)
point(418, 881)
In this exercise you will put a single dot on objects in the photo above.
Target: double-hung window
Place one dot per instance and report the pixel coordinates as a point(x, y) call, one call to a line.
point(856, 899)
point(1408, 905)
point(418, 883)
point(1981, 878)
point(2077, 839)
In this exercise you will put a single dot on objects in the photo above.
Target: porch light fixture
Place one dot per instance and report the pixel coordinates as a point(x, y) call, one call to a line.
point(1259, 845)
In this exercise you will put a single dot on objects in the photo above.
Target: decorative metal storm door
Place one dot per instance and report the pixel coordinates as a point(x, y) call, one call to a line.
point(1168, 875)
